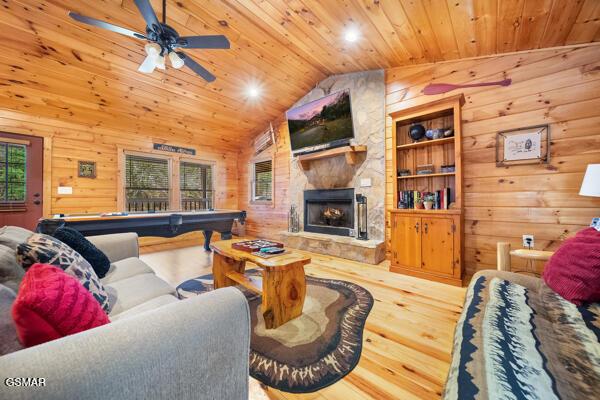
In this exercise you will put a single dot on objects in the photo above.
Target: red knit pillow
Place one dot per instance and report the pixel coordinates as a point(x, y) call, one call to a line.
point(52, 304)
point(574, 270)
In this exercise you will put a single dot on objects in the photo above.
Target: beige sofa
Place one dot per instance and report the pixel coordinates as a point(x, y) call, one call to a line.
point(156, 346)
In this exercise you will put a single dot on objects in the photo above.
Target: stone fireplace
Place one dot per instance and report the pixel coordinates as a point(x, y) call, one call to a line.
point(329, 211)
point(323, 229)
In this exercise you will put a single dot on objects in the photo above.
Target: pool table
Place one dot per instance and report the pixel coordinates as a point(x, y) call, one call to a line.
point(161, 224)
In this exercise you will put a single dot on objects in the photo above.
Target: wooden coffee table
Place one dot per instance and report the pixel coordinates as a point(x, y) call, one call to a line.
point(283, 284)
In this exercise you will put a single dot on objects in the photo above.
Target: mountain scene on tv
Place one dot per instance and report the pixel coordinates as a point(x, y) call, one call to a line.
point(321, 121)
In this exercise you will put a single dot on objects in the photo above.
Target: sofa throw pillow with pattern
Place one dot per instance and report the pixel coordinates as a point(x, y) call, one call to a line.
point(52, 304)
point(44, 249)
point(75, 240)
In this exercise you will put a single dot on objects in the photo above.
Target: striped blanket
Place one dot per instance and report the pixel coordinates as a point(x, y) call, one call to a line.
point(517, 339)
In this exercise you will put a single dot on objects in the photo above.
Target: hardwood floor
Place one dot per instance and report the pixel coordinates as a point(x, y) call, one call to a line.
point(407, 339)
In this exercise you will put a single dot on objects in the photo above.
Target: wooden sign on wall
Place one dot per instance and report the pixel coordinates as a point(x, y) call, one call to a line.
point(174, 149)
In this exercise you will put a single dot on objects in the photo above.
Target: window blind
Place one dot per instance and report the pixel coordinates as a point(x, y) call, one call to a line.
point(196, 186)
point(147, 183)
point(13, 172)
point(263, 172)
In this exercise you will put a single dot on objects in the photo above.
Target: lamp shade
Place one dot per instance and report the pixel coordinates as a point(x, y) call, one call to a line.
point(591, 181)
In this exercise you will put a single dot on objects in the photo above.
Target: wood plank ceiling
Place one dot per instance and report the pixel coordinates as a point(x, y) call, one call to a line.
point(53, 67)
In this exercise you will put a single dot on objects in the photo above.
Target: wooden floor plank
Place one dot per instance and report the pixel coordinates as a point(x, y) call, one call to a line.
point(407, 339)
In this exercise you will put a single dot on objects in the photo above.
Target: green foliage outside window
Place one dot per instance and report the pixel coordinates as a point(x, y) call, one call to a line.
point(13, 172)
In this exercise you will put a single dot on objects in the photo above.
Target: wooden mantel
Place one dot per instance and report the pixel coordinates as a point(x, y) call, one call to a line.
point(349, 152)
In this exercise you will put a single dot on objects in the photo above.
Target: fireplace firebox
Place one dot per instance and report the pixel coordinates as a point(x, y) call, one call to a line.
point(329, 211)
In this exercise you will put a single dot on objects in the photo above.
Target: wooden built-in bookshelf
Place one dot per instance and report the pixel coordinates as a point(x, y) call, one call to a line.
point(428, 243)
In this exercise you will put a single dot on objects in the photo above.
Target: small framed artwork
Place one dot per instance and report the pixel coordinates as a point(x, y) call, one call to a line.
point(87, 169)
point(530, 145)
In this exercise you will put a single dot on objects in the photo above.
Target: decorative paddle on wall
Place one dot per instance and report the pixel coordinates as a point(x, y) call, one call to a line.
point(439, 88)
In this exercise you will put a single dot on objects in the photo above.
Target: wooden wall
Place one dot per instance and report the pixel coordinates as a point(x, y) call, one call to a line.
point(72, 142)
point(559, 87)
point(267, 220)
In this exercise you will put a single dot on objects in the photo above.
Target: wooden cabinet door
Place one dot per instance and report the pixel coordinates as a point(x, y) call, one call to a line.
point(406, 241)
point(437, 253)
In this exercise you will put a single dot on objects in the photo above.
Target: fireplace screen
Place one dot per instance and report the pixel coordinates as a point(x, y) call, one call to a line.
point(329, 211)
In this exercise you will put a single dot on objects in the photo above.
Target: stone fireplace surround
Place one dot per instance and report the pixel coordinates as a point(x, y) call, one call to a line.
point(367, 176)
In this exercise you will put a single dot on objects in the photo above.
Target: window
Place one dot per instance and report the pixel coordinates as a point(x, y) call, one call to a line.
point(196, 186)
point(262, 181)
point(13, 172)
point(147, 183)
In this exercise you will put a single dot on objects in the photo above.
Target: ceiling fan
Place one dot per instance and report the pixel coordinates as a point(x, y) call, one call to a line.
point(163, 41)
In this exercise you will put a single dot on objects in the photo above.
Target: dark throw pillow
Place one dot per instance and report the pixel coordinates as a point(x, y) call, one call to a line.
point(75, 240)
point(574, 270)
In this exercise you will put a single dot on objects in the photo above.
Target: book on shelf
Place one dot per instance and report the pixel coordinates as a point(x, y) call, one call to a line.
point(408, 199)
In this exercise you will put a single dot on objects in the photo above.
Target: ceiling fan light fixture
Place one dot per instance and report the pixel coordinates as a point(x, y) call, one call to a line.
point(152, 49)
point(176, 61)
point(164, 39)
point(148, 65)
point(160, 62)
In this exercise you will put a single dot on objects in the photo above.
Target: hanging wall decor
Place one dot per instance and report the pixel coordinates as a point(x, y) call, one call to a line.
point(530, 145)
point(86, 169)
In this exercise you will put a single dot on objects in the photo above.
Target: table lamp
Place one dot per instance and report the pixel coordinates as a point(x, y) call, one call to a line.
point(591, 181)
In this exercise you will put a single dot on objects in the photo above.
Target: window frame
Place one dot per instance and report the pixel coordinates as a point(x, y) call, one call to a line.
point(5, 182)
point(252, 180)
point(174, 179)
point(211, 164)
point(123, 184)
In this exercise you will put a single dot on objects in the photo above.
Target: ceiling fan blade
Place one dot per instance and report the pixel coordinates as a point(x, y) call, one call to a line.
point(204, 42)
point(105, 25)
point(149, 15)
point(197, 68)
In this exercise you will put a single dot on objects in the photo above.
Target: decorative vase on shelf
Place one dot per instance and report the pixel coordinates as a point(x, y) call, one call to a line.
point(428, 205)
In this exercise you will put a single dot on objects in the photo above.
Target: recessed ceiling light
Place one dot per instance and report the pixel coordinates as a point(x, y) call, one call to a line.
point(253, 91)
point(351, 35)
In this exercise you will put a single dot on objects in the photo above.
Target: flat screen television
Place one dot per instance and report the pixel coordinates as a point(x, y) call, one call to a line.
point(321, 124)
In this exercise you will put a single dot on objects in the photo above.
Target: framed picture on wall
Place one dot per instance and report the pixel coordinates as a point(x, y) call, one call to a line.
point(530, 145)
point(86, 169)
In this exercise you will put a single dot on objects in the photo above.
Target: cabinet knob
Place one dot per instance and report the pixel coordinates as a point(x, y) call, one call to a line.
point(426, 227)
point(417, 227)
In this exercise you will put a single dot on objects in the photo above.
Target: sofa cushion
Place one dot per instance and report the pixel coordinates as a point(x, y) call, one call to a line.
point(125, 269)
point(52, 304)
point(44, 249)
point(9, 341)
point(523, 340)
point(11, 272)
point(146, 306)
point(12, 236)
point(75, 240)
point(574, 270)
point(136, 290)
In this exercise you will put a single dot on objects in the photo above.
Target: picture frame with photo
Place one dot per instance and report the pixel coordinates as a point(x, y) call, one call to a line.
point(86, 169)
point(529, 145)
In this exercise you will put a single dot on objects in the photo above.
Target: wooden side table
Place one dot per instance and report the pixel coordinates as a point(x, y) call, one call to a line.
point(283, 283)
point(504, 252)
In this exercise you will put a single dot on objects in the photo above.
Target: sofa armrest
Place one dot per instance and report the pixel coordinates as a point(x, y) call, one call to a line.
point(117, 246)
point(191, 349)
